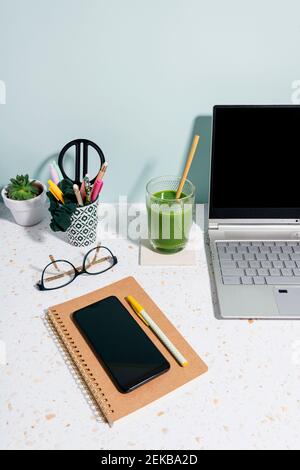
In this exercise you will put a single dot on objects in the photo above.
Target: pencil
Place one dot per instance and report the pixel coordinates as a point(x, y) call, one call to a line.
point(87, 186)
point(77, 194)
point(102, 171)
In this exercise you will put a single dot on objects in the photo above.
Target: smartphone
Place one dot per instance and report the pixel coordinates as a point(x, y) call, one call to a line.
point(123, 348)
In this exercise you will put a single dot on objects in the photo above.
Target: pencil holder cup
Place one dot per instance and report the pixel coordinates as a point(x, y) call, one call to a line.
point(83, 228)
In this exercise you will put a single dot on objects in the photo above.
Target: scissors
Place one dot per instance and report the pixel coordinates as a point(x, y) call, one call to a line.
point(81, 149)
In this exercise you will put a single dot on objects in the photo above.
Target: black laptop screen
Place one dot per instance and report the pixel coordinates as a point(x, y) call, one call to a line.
point(255, 170)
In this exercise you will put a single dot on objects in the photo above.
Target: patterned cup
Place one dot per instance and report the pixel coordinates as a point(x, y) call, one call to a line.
point(83, 228)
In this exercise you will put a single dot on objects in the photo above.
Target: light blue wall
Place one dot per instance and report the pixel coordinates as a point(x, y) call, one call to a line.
point(137, 77)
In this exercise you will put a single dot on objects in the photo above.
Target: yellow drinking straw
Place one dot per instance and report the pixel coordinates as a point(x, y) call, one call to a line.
point(188, 165)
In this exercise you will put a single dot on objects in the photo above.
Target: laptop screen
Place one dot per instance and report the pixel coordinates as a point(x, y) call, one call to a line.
point(255, 169)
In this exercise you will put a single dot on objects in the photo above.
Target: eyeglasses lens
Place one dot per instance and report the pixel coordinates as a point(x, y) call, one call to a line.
point(98, 260)
point(58, 274)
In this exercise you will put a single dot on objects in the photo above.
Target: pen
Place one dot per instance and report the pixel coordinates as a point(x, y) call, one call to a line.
point(87, 186)
point(77, 194)
point(155, 328)
point(54, 194)
point(96, 190)
point(57, 169)
point(57, 193)
point(98, 182)
point(53, 174)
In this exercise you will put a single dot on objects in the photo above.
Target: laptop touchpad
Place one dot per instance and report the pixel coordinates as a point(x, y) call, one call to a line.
point(288, 300)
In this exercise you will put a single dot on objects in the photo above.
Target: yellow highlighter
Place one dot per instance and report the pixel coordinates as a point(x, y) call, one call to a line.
point(155, 328)
point(57, 193)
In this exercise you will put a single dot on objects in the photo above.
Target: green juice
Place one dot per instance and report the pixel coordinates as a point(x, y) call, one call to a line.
point(169, 220)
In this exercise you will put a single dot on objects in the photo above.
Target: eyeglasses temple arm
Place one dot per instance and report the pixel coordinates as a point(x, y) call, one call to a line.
point(95, 255)
point(53, 261)
point(53, 278)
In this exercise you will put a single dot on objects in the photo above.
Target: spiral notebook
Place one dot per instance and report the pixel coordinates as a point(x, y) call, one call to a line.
point(112, 403)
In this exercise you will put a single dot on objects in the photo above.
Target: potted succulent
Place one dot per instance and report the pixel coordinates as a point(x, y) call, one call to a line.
point(25, 199)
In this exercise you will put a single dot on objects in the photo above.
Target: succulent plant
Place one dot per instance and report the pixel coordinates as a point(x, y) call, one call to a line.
point(21, 188)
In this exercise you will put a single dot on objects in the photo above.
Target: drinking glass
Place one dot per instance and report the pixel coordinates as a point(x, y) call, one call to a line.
point(169, 219)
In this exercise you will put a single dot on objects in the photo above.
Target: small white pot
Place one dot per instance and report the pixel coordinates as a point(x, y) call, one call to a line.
point(29, 212)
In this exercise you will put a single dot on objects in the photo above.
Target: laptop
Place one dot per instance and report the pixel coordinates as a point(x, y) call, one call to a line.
point(254, 211)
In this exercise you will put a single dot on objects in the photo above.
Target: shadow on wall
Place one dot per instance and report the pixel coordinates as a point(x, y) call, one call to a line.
point(144, 176)
point(42, 170)
point(200, 169)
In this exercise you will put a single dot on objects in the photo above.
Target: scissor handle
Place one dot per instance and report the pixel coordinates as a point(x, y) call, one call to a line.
point(85, 144)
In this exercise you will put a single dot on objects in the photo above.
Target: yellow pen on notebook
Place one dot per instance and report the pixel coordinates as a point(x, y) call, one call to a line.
point(57, 193)
point(155, 328)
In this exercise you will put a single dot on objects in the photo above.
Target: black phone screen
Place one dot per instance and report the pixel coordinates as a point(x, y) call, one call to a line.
point(123, 348)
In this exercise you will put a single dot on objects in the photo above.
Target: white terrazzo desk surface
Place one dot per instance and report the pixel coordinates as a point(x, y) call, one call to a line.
point(249, 398)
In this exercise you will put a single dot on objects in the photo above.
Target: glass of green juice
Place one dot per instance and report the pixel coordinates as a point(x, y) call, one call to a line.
point(169, 219)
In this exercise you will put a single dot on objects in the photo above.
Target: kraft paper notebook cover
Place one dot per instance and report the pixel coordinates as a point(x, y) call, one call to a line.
point(112, 403)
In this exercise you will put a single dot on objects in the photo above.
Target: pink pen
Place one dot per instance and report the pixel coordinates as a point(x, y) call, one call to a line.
point(96, 189)
point(54, 175)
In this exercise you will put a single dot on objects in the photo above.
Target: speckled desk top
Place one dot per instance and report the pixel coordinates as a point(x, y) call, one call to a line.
point(248, 399)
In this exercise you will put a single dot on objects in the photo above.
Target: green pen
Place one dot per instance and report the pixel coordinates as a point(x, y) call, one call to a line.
point(59, 173)
point(87, 186)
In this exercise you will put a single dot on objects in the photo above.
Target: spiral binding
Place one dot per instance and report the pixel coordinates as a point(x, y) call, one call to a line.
point(77, 358)
point(80, 382)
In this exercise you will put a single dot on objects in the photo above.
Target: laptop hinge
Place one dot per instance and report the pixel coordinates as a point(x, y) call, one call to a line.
point(213, 226)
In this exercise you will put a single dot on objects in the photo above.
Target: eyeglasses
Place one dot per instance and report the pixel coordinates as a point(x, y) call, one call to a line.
point(60, 273)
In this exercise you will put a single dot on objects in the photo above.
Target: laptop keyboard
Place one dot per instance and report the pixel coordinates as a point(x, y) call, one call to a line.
point(259, 262)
